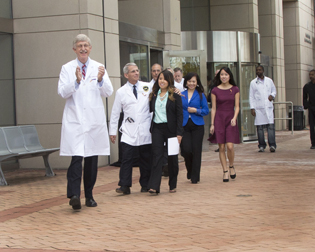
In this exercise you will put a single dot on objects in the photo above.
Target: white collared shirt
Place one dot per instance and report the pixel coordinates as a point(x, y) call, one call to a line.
point(132, 85)
point(180, 85)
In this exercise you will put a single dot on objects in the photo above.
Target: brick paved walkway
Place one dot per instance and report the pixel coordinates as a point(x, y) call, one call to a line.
point(269, 207)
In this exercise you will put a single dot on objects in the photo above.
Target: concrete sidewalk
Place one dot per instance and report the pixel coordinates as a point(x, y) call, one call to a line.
point(269, 207)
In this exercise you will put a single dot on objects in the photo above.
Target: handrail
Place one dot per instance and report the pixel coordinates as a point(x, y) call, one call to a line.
point(287, 118)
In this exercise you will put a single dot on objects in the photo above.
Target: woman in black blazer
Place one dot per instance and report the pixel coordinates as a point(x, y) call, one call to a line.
point(166, 122)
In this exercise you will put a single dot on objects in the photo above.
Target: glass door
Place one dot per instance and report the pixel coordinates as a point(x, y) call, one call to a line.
point(190, 61)
point(248, 72)
point(248, 129)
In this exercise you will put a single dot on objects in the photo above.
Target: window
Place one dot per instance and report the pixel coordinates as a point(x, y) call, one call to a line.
point(135, 53)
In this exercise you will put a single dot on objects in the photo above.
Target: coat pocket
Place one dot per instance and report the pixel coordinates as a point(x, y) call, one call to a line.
point(130, 129)
point(71, 114)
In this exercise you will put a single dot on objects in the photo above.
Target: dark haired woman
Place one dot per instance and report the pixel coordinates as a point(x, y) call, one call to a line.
point(195, 107)
point(166, 123)
point(225, 108)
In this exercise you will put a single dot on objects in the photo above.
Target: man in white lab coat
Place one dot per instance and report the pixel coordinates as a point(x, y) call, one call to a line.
point(133, 99)
point(261, 95)
point(83, 82)
point(155, 71)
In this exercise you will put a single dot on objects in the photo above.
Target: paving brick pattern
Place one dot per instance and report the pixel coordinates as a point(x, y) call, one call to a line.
point(269, 207)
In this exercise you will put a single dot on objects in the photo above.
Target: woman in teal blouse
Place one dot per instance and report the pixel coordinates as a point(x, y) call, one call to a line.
point(166, 123)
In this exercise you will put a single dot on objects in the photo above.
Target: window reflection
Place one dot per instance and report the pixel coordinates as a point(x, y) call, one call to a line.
point(135, 53)
point(187, 64)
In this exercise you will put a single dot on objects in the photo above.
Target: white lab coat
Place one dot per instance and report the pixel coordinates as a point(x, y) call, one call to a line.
point(152, 82)
point(136, 131)
point(84, 131)
point(258, 98)
point(180, 85)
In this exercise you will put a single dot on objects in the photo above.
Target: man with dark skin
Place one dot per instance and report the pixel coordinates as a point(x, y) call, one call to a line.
point(309, 103)
point(260, 74)
point(262, 92)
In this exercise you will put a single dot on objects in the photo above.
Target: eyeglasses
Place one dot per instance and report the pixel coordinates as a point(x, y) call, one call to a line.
point(135, 71)
point(82, 46)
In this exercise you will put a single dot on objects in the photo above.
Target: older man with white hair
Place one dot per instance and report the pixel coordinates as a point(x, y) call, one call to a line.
point(133, 99)
point(83, 82)
point(178, 79)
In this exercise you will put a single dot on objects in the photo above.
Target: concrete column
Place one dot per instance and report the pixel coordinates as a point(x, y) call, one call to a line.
point(112, 58)
point(172, 28)
point(272, 44)
point(298, 47)
point(231, 15)
point(43, 35)
point(162, 15)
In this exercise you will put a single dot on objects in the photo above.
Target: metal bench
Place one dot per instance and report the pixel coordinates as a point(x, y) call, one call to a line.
point(19, 142)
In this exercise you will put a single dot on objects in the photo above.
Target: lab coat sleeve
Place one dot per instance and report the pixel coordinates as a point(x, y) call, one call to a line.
point(273, 89)
point(251, 96)
point(66, 87)
point(107, 88)
point(114, 118)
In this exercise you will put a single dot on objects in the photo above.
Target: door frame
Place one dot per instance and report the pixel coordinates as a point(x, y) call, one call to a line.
point(203, 78)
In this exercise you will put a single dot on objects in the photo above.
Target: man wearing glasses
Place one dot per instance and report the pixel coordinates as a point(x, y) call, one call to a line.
point(133, 99)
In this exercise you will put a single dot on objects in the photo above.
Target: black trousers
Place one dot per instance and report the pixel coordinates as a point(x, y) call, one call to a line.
point(160, 134)
point(74, 176)
point(128, 154)
point(311, 117)
point(191, 149)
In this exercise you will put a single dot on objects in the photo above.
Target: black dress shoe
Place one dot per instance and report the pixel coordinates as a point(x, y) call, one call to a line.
point(75, 202)
point(123, 190)
point(233, 176)
point(90, 202)
point(144, 189)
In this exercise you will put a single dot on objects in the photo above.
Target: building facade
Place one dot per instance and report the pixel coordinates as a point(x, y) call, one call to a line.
point(36, 40)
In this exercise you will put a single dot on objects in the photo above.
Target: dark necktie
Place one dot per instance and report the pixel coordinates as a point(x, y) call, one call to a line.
point(135, 91)
point(83, 71)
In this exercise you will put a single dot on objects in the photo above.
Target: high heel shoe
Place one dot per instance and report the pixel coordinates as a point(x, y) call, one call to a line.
point(225, 180)
point(153, 192)
point(234, 175)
